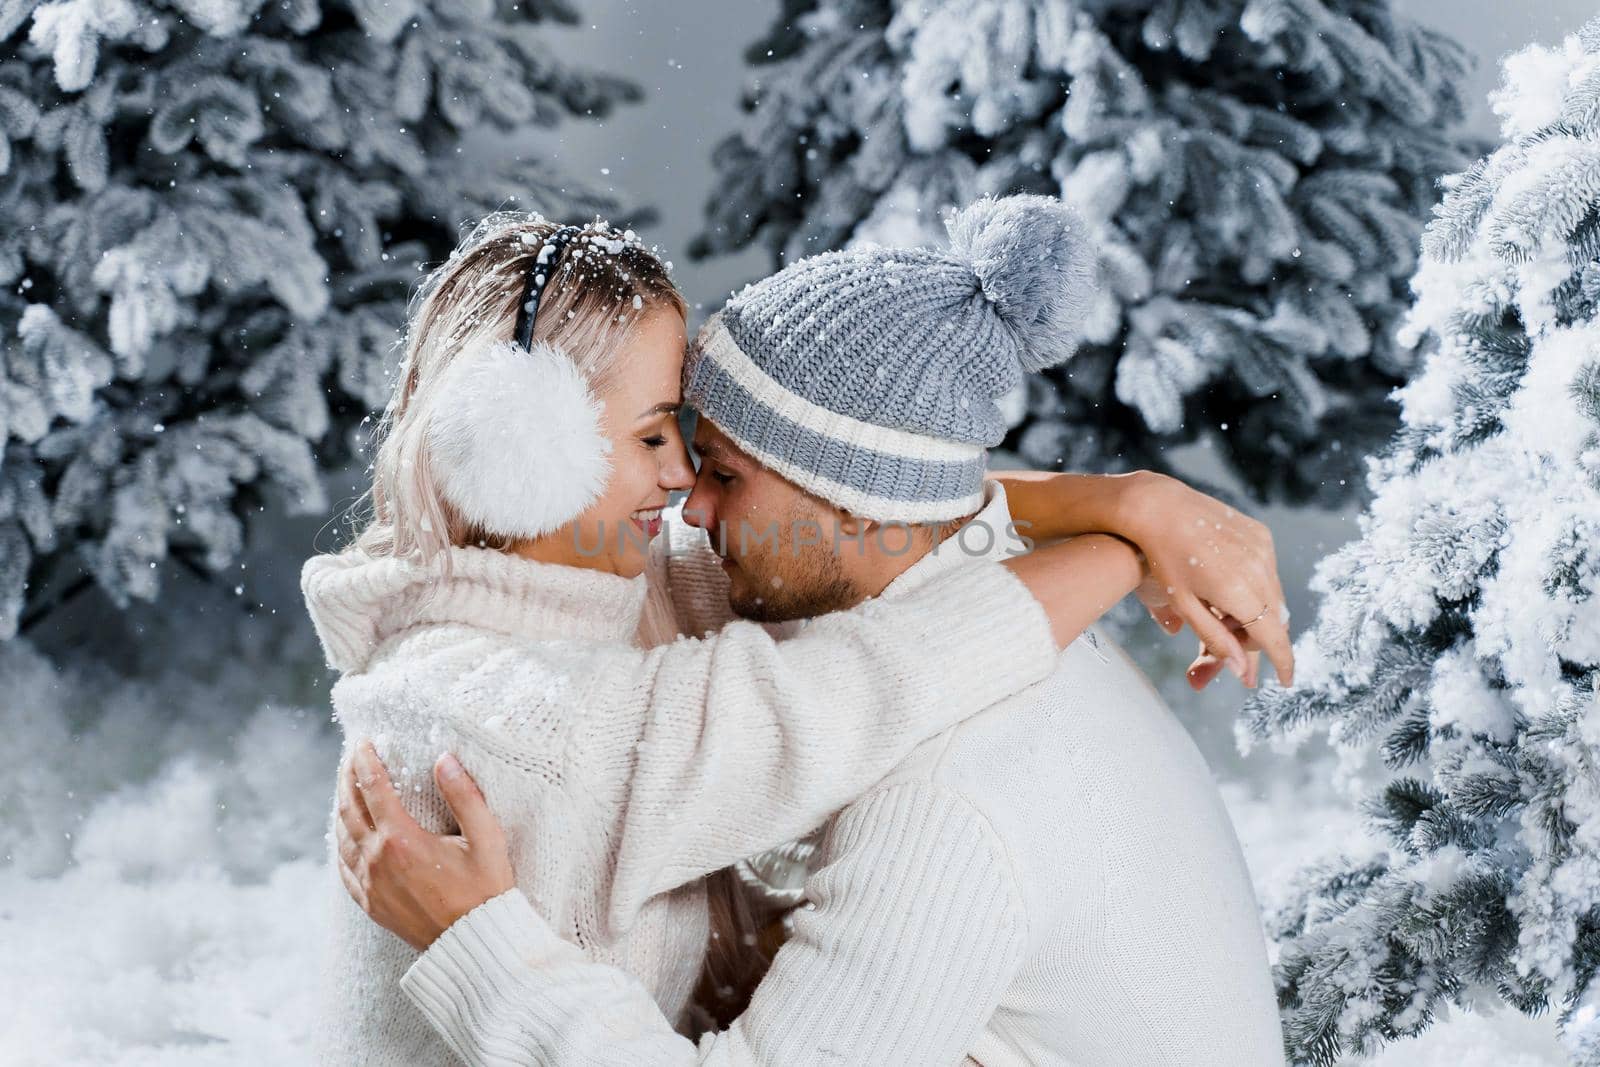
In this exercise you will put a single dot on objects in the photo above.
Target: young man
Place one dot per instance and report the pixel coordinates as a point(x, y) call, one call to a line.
point(1053, 881)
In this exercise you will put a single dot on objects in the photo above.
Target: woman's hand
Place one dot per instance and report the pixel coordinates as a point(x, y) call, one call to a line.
point(1207, 564)
point(1215, 568)
point(413, 883)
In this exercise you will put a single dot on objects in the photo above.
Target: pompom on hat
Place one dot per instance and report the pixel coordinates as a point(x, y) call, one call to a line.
point(1033, 260)
point(871, 376)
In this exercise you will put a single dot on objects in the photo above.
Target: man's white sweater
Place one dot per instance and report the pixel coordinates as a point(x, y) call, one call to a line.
point(1052, 882)
point(624, 774)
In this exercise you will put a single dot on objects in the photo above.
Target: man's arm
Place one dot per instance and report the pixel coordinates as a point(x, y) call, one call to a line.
point(914, 931)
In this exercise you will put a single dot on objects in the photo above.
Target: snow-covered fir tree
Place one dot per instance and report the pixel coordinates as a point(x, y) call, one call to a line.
point(1260, 171)
point(1457, 646)
point(211, 212)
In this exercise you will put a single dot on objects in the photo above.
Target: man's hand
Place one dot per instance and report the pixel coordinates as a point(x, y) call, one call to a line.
point(411, 882)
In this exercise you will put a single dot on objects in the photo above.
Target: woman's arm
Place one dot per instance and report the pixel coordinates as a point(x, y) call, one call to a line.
point(700, 752)
point(1048, 506)
point(741, 742)
point(1202, 555)
point(1078, 580)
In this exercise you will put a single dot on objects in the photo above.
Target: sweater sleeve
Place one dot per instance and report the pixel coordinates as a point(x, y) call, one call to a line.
point(695, 754)
point(723, 748)
point(914, 931)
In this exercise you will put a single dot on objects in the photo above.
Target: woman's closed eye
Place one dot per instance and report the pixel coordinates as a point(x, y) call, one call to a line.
point(663, 419)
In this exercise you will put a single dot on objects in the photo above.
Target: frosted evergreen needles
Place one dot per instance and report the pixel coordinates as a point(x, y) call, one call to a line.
point(210, 220)
point(1459, 636)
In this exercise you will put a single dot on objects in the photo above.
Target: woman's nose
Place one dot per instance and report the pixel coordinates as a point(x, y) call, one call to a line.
point(676, 470)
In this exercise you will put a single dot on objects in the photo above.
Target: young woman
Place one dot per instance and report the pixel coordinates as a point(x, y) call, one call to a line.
point(503, 604)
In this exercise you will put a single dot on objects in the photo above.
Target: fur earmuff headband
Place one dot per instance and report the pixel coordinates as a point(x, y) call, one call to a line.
point(514, 432)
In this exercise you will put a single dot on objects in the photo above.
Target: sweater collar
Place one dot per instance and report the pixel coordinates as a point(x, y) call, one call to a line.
point(357, 601)
point(985, 536)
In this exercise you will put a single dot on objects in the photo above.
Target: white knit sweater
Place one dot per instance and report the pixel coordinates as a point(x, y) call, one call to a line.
point(624, 774)
point(1052, 882)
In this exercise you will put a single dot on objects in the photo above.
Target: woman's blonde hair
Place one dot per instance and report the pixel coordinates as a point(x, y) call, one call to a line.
point(601, 284)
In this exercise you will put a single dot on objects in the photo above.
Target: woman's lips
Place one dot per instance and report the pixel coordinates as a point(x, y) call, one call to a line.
point(648, 520)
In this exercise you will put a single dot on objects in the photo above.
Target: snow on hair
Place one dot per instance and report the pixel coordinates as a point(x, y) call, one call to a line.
point(600, 286)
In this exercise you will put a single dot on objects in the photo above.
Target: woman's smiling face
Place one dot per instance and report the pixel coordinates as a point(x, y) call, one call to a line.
point(648, 455)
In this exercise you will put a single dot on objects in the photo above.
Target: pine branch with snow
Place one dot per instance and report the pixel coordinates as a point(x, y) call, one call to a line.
point(1259, 172)
point(1458, 639)
point(211, 215)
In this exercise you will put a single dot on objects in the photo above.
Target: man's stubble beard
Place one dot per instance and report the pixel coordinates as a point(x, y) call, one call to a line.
point(814, 585)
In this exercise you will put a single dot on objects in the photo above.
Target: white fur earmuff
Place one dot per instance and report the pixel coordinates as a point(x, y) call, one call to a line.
point(515, 440)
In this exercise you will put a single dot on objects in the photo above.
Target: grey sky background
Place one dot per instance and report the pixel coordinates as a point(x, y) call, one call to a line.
point(1491, 28)
point(688, 56)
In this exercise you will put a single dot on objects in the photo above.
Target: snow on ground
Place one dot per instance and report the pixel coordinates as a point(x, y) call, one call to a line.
point(185, 970)
point(160, 868)
point(161, 877)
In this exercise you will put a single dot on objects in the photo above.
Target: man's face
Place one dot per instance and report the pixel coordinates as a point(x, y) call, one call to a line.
point(776, 540)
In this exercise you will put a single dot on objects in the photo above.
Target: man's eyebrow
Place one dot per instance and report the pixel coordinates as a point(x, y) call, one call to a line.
point(710, 450)
point(666, 407)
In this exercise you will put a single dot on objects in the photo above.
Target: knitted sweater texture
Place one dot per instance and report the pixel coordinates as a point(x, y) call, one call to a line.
point(624, 773)
point(1054, 881)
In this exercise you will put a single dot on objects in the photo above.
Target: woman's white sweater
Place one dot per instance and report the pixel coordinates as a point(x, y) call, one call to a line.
point(623, 774)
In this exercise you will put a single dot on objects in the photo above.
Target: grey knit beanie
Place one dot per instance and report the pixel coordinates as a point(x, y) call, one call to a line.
point(870, 376)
